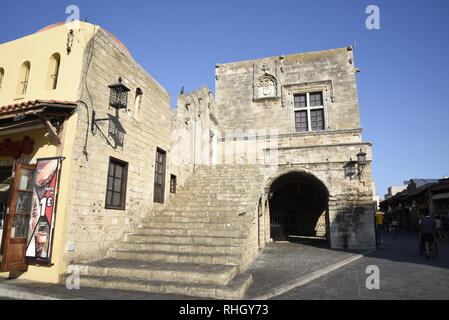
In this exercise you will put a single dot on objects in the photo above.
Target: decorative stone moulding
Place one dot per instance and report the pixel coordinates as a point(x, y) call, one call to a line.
point(265, 82)
point(266, 86)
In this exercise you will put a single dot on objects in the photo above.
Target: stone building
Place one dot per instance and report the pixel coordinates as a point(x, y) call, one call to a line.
point(177, 200)
point(305, 108)
point(107, 182)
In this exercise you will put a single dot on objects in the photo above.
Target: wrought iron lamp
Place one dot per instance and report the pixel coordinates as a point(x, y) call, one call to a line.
point(354, 169)
point(361, 163)
point(361, 158)
point(118, 97)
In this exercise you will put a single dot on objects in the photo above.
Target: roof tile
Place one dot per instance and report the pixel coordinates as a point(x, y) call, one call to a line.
point(31, 103)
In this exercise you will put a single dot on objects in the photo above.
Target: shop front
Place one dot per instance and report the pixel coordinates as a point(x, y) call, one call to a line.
point(31, 159)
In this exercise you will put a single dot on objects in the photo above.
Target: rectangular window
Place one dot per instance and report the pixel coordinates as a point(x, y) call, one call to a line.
point(116, 187)
point(172, 183)
point(301, 122)
point(317, 119)
point(300, 101)
point(316, 99)
point(309, 111)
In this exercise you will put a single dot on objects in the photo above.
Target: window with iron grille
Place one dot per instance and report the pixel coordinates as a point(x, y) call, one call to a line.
point(309, 111)
point(116, 187)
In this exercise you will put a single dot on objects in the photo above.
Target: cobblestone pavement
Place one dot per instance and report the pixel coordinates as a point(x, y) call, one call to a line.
point(282, 264)
point(404, 274)
point(322, 273)
point(27, 290)
point(277, 266)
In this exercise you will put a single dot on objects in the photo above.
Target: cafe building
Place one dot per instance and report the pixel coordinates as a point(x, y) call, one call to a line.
point(79, 121)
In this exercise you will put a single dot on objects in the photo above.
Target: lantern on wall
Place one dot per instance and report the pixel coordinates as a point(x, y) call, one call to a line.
point(118, 97)
point(361, 158)
point(351, 170)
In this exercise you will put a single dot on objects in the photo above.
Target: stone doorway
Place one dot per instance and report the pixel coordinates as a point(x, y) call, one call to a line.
point(299, 209)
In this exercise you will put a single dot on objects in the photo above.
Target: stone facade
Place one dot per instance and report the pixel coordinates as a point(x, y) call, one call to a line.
point(255, 105)
point(143, 128)
point(194, 133)
point(235, 146)
point(251, 121)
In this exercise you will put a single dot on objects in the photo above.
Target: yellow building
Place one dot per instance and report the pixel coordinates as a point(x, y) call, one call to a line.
point(45, 80)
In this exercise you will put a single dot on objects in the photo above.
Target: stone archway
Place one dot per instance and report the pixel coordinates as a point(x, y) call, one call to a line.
point(299, 208)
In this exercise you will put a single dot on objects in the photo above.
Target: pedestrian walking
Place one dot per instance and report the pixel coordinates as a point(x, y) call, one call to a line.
point(445, 221)
point(379, 225)
point(439, 228)
point(427, 227)
point(394, 227)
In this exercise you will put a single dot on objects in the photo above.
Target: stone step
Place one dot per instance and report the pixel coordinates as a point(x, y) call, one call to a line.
point(181, 247)
point(180, 212)
point(228, 201)
point(208, 240)
point(195, 219)
point(171, 257)
point(211, 204)
point(160, 271)
point(231, 197)
point(196, 225)
point(197, 206)
point(190, 232)
point(233, 290)
point(220, 181)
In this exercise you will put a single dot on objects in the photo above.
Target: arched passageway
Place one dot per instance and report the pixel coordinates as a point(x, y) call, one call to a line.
point(299, 209)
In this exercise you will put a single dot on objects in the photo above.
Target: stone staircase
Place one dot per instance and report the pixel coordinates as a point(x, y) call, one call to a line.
point(198, 245)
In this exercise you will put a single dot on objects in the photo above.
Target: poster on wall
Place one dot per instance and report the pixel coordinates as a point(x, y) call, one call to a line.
point(45, 191)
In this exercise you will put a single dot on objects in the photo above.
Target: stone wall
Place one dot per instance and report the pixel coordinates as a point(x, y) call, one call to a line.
point(256, 112)
point(194, 136)
point(92, 229)
point(332, 71)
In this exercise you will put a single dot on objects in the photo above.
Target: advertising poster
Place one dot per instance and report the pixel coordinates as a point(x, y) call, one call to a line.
point(45, 192)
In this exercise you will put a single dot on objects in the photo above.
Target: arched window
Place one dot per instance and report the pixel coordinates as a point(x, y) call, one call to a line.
point(138, 100)
point(24, 75)
point(2, 74)
point(53, 71)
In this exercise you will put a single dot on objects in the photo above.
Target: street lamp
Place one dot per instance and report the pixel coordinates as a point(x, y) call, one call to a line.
point(350, 167)
point(118, 97)
point(361, 158)
point(361, 162)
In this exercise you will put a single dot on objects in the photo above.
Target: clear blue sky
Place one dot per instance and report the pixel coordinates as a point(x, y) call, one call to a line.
point(405, 65)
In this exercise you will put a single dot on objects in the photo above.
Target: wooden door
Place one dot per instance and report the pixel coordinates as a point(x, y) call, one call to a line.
point(159, 176)
point(17, 222)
